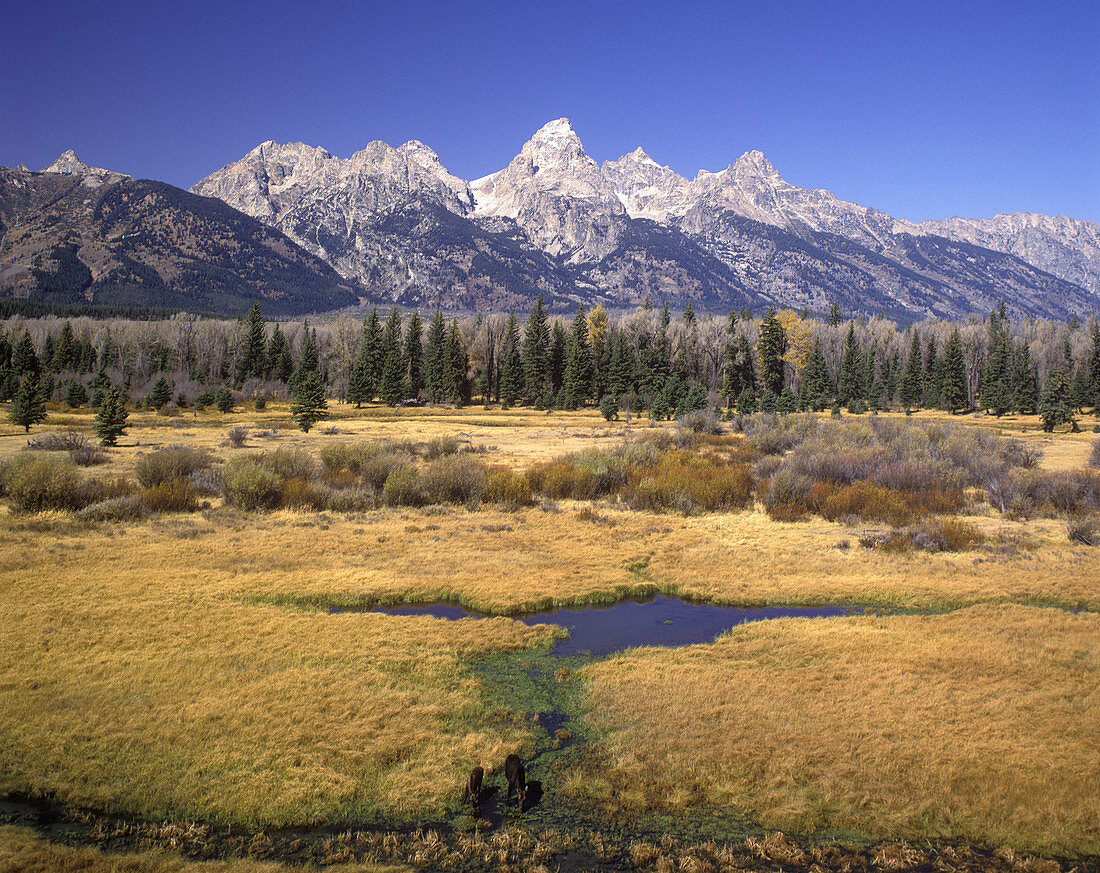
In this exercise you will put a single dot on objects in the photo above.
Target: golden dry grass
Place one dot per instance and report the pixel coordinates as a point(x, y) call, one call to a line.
point(21, 851)
point(150, 667)
point(981, 724)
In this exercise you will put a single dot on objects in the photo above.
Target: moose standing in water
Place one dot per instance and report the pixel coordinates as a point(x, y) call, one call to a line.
point(473, 787)
point(517, 779)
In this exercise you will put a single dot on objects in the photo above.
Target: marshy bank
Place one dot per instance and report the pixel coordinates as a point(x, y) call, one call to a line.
point(41, 836)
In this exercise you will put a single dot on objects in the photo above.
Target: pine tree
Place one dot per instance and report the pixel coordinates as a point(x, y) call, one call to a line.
point(1025, 392)
point(852, 370)
point(309, 405)
point(251, 357)
point(28, 407)
point(110, 420)
point(1054, 405)
point(996, 391)
point(391, 384)
point(910, 391)
point(24, 359)
point(160, 394)
point(511, 366)
point(456, 384)
point(536, 354)
point(816, 381)
point(76, 396)
point(771, 348)
point(435, 359)
point(65, 355)
point(414, 356)
point(954, 396)
point(559, 352)
point(579, 368)
point(278, 361)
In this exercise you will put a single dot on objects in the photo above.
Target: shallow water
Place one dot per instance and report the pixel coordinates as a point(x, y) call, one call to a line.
point(663, 621)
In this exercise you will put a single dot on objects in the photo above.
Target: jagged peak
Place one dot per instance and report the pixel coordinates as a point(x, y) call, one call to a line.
point(754, 161)
point(559, 128)
point(415, 146)
point(68, 162)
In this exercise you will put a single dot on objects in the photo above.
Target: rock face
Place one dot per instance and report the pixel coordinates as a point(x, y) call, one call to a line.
point(78, 235)
point(1062, 246)
point(556, 223)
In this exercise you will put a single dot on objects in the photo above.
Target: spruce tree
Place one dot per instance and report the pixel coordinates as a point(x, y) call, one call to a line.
point(579, 369)
point(309, 361)
point(251, 360)
point(110, 419)
point(76, 396)
point(910, 390)
point(771, 348)
point(28, 407)
point(65, 355)
point(160, 393)
point(391, 384)
point(24, 359)
point(278, 361)
point(954, 395)
point(559, 353)
point(1054, 405)
point(816, 382)
point(414, 356)
point(536, 354)
point(455, 378)
point(511, 366)
point(996, 391)
point(309, 405)
point(1025, 392)
point(435, 359)
point(852, 370)
point(933, 376)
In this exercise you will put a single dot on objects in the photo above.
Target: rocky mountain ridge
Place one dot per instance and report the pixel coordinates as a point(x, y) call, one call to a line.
point(84, 236)
point(555, 222)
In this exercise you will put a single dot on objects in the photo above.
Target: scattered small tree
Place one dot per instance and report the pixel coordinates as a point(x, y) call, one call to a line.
point(160, 394)
point(27, 406)
point(309, 405)
point(110, 420)
point(224, 400)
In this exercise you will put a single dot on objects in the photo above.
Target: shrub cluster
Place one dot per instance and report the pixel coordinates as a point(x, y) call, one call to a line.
point(928, 535)
point(83, 452)
point(39, 483)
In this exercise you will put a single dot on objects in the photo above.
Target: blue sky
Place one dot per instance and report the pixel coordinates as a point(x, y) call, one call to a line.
point(923, 110)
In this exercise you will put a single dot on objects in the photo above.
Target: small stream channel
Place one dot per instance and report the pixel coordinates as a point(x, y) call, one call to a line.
point(598, 631)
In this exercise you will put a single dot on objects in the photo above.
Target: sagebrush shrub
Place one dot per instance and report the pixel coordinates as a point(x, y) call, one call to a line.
point(301, 494)
point(289, 463)
point(452, 479)
point(439, 447)
point(128, 508)
point(43, 482)
point(505, 486)
point(171, 462)
point(58, 441)
point(250, 486)
point(402, 487)
point(237, 436)
point(1094, 457)
point(175, 495)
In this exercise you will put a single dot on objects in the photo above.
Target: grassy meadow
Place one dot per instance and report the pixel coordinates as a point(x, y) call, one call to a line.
point(186, 664)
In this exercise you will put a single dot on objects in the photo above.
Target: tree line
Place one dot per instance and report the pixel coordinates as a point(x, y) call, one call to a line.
point(646, 360)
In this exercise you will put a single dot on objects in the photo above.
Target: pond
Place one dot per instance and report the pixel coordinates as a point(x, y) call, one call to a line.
point(597, 631)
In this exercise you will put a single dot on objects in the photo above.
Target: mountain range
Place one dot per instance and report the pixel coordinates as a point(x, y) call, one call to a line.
point(309, 231)
point(556, 222)
point(74, 235)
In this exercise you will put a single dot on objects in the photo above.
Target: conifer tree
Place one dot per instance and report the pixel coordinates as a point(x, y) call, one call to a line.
point(620, 370)
point(414, 355)
point(536, 354)
point(1025, 392)
point(24, 359)
point(852, 370)
point(251, 358)
point(309, 405)
point(579, 369)
point(65, 355)
point(457, 363)
point(816, 382)
point(511, 366)
point(28, 407)
point(910, 390)
point(76, 396)
point(559, 352)
point(160, 393)
point(391, 383)
point(309, 361)
point(996, 391)
point(933, 376)
point(954, 395)
point(771, 348)
point(435, 359)
point(1054, 405)
point(110, 419)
